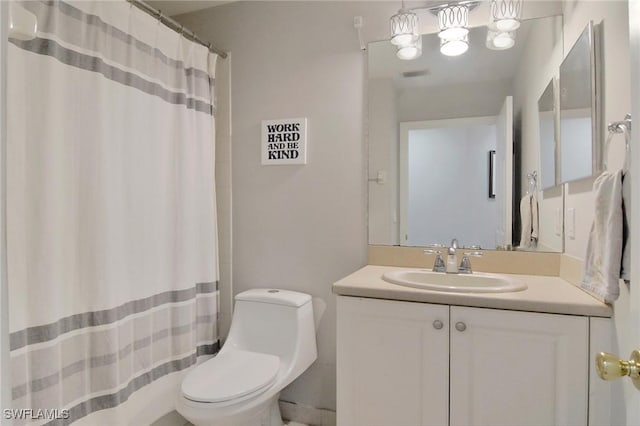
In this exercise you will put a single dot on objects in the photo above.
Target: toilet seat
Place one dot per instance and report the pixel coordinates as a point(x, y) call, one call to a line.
point(232, 374)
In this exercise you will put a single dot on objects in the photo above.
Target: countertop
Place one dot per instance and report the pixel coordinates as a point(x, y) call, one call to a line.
point(544, 294)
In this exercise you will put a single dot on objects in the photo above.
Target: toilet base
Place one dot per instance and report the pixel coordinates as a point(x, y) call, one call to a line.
point(274, 417)
point(265, 414)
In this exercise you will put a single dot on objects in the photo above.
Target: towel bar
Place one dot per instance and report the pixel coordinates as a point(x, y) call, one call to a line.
point(614, 128)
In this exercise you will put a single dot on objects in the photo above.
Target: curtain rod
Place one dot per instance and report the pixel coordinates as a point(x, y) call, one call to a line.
point(175, 26)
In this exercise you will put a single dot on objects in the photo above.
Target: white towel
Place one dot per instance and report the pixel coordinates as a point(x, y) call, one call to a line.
point(529, 216)
point(604, 248)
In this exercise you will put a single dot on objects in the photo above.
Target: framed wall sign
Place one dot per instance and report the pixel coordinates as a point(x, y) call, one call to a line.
point(284, 141)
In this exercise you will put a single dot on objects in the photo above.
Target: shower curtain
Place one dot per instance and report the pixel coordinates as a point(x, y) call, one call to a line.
point(112, 246)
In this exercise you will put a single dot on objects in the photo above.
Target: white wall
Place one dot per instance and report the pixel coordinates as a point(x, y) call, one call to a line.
point(297, 227)
point(383, 157)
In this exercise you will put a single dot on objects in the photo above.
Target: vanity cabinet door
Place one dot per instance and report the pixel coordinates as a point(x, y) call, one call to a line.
point(518, 368)
point(392, 363)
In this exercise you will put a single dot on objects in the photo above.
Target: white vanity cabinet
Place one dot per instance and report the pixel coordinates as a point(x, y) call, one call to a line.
point(406, 363)
point(393, 363)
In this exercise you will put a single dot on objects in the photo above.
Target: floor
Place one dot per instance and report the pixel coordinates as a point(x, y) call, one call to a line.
point(175, 419)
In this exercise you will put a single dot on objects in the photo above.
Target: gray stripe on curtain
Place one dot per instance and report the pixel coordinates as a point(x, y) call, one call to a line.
point(112, 400)
point(39, 384)
point(44, 333)
point(92, 63)
point(70, 25)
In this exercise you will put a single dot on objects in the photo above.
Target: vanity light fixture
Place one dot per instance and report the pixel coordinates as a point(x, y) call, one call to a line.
point(404, 34)
point(453, 20)
point(404, 28)
point(454, 32)
point(505, 15)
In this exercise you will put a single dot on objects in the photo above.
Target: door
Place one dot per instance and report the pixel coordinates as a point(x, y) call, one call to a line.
point(622, 397)
point(392, 363)
point(517, 368)
point(504, 172)
point(628, 326)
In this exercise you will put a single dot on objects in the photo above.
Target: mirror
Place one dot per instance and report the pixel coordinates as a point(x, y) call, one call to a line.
point(547, 132)
point(433, 125)
point(579, 126)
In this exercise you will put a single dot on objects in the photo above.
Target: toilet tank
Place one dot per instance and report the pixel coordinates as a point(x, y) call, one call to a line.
point(277, 322)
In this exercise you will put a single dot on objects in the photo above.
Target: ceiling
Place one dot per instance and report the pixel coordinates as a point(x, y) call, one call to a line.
point(178, 7)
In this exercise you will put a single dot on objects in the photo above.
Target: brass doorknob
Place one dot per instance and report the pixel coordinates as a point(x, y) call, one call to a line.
point(609, 367)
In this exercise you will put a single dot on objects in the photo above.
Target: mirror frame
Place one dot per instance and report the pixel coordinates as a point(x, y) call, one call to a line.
point(553, 88)
point(592, 32)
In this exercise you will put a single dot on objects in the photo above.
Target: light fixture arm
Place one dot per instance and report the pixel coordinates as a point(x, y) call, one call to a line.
point(470, 4)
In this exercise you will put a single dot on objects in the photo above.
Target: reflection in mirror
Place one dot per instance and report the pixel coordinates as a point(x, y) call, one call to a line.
point(426, 192)
point(547, 117)
point(578, 115)
point(426, 99)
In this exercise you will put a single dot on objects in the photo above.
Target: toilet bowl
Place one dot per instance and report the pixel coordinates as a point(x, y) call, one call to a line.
point(271, 342)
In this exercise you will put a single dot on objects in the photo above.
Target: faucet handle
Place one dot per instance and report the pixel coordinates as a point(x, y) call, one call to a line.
point(438, 263)
point(465, 263)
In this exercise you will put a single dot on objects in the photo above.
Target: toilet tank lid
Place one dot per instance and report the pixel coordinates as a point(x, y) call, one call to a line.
point(274, 296)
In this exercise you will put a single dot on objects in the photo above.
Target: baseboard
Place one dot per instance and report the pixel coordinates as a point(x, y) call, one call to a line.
point(290, 411)
point(306, 414)
point(171, 419)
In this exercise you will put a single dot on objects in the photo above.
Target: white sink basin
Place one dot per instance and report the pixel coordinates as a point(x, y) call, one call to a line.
point(478, 282)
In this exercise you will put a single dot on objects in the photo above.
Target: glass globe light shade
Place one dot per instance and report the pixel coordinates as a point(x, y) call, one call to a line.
point(454, 47)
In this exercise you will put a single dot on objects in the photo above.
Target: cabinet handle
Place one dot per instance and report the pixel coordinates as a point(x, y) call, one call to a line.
point(460, 326)
point(609, 367)
point(437, 324)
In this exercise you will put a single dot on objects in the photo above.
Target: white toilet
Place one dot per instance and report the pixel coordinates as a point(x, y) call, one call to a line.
point(271, 342)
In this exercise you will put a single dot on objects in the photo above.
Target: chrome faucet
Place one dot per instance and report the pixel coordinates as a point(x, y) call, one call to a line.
point(452, 266)
point(452, 258)
point(438, 262)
